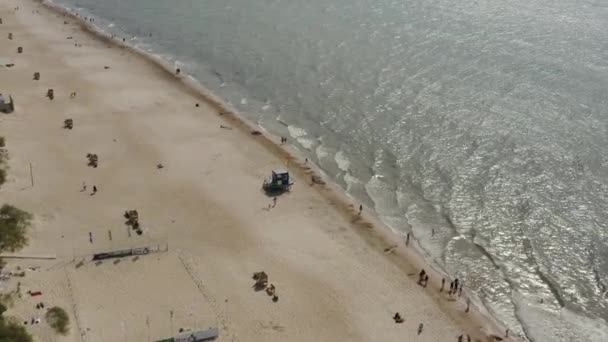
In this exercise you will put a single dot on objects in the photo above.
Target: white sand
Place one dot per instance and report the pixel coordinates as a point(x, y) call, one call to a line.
point(334, 281)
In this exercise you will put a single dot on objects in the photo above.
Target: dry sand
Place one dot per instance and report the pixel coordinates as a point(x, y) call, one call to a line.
point(204, 209)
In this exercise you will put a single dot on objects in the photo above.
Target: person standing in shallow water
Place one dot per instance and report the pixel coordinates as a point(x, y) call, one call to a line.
point(442, 284)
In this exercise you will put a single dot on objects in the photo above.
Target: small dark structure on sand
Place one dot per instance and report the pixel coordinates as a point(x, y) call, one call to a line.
point(68, 123)
point(278, 182)
point(50, 94)
point(36, 76)
point(261, 280)
point(6, 107)
point(92, 159)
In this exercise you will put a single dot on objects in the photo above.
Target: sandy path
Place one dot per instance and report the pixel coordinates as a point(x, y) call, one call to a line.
point(334, 281)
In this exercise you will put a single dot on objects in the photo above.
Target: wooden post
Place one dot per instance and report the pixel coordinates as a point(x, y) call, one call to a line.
point(31, 175)
point(171, 318)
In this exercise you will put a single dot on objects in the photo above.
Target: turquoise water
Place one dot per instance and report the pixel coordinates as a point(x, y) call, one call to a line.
point(483, 121)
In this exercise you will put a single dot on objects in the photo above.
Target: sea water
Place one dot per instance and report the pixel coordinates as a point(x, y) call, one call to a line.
point(479, 126)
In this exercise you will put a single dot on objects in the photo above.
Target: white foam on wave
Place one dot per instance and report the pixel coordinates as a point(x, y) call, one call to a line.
point(300, 135)
point(322, 152)
point(296, 132)
point(342, 161)
point(351, 181)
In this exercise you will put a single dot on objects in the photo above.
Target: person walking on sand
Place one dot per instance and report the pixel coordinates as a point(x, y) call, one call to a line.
point(420, 327)
point(460, 338)
point(468, 338)
point(360, 208)
point(460, 290)
point(468, 305)
point(274, 202)
point(94, 189)
point(407, 239)
point(451, 287)
point(442, 284)
point(84, 187)
point(426, 280)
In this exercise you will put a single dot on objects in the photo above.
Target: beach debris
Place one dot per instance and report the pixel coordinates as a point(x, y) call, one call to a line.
point(9, 65)
point(225, 127)
point(178, 71)
point(50, 94)
point(106, 67)
point(68, 123)
point(0, 20)
point(275, 298)
point(36, 76)
point(278, 182)
point(317, 180)
point(256, 133)
point(34, 293)
point(70, 37)
point(390, 249)
point(196, 105)
point(132, 217)
point(20, 50)
point(6, 107)
point(397, 318)
point(10, 36)
point(159, 166)
point(92, 159)
point(261, 280)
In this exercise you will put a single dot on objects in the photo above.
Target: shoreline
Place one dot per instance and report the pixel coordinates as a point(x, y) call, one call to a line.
point(375, 234)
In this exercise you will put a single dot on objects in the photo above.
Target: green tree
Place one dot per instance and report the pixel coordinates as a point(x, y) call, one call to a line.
point(58, 319)
point(11, 331)
point(13, 225)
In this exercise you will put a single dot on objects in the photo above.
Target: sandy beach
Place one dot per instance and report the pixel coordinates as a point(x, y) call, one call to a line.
point(338, 276)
